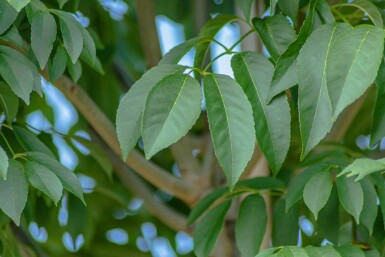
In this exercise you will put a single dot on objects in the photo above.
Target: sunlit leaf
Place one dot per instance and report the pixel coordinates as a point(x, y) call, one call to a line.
point(351, 196)
point(172, 107)
point(14, 191)
point(43, 35)
point(272, 121)
point(231, 124)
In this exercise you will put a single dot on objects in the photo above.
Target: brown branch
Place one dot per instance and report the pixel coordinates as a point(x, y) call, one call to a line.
point(103, 126)
point(133, 183)
point(148, 32)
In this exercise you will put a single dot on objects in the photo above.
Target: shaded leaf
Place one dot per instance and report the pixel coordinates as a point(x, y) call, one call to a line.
point(67, 177)
point(377, 131)
point(44, 180)
point(276, 34)
point(289, 8)
point(369, 210)
point(129, 114)
point(285, 224)
point(260, 183)
point(177, 53)
point(272, 122)
point(285, 73)
point(30, 142)
point(18, 76)
point(7, 16)
point(14, 191)
point(208, 229)
point(231, 124)
point(317, 191)
point(58, 64)
point(350, 251)
point(369, 9)
point(75, 70)
point(379, 182)
point(205, 203)
point(43, 35)
point(351, 196)
point(297, 185)
point(8, 102)
point(172, 108)
point(72, 36)
point(62, 3)
point(4, 163)
point(251, 225)
point(328, 219)
point(13, 36)
point(324, 13)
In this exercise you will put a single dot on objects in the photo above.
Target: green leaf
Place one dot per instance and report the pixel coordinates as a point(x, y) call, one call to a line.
point(251, 225)
point(363, 167)
point(324, 251)
point(289, 8)
point(351, 196)
point(272, 122)
point(317, 191)
point(89, 49)
point(4, 163)
point(172, 108)
point(297, 185)
point(315, 108)
point(292, 251)
point(370, 209)
point(58, 65)
point(231, 124)
point(377, 131)
point(14, 191)
point(369, 9)
point(67, 177)
point(324, 13)
point(285, 224)
point(208, 229)
point(8, 102)
point(30, 142)
point(75, 70)
point(24, 62)
point(78, 218)
point(129, 114)
point(353, 67)
point(285, 73)
point(44, 180)
point(378, 180)
point(43, 35)
point(260, 183)
point(276, 34)
point(208, 32)
point(273, 4)
point(18, 4)
point(62, 3)
point(72, 36)
point(97, 153)
point(245, 6)
point(7, 16)
point(205, 203)
point(13, 36)
point(177, 53)
point(17, 75)
point(268, 252)
point(350, 251)
point(328, 219)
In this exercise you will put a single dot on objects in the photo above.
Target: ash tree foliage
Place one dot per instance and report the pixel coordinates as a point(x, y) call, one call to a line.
point(282, 158)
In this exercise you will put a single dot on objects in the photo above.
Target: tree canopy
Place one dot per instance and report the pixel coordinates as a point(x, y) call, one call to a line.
point(112, 146)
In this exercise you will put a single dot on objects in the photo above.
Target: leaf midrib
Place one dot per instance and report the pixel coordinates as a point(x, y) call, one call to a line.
point(228, 128)
point(263, 108)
